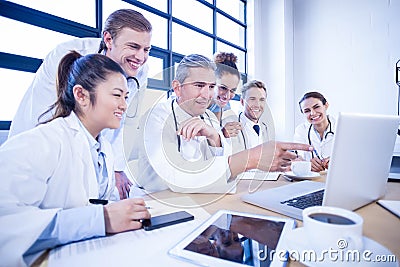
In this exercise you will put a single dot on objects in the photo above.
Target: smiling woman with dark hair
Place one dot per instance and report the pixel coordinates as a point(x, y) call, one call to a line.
point(317, 131)
point(45, 198)
point(126, 40)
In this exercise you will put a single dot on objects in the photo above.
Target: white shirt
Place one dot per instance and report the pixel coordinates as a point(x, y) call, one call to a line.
point(198, 167)
point(41, 94)
point(323, 146)
point(247, 137)
point(46, 196)
point(252, 138)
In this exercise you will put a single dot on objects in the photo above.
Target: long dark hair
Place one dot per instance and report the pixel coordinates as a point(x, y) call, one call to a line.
point(87, 71)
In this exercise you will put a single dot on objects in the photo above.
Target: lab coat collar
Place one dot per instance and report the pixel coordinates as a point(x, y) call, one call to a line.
point(246, 121)
point(181, 115)
point(73, 121)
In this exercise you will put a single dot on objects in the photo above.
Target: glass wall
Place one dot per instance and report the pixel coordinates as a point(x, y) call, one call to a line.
point(180, 27)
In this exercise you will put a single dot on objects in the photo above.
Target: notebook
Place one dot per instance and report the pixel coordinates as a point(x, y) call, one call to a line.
point(358, 169)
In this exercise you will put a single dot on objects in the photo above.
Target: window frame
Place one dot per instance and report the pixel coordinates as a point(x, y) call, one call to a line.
point(47, 21)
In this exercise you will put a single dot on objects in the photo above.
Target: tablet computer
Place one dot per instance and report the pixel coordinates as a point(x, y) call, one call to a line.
point(230, 238)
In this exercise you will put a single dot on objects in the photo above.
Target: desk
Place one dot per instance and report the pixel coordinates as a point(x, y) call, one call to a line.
point(379, 224)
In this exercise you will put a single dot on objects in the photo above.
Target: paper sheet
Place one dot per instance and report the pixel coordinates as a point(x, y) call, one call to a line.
point(136, 248)
point(259, 175)
point(392, 205)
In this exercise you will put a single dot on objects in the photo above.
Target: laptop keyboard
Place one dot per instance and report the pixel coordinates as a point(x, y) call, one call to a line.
point(305, 201)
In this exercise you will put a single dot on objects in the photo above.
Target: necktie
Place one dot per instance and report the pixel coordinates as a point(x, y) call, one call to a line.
point(257, 129)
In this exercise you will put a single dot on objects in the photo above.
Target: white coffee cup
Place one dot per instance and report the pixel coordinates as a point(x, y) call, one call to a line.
point(331, 228)
point(301, 168)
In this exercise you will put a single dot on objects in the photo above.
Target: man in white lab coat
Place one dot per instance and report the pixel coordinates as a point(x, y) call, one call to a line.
point(181, 136)
point(126, 40)
point(253, 131)
point(183, 148)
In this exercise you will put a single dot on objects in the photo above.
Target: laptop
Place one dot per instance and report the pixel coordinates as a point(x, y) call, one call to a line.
point(358, 169)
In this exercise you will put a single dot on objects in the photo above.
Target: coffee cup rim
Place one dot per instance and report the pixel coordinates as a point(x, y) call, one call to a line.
point(332, 210)
point(300, 161)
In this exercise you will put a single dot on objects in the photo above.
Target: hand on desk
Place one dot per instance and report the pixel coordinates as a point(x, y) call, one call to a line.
point(125, 215)
point(318, 165)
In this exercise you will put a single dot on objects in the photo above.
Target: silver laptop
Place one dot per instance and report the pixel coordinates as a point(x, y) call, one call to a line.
point(358, 169)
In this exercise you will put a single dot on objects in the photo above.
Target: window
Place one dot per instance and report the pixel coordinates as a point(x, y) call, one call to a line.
point(36, 42)
point(203, 18)
point(186, 41)
point(180, 27)
point(76, 10)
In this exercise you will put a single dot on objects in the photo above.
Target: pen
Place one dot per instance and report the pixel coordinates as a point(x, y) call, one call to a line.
point(288, 178)
point(98, 201)
point(316, 153)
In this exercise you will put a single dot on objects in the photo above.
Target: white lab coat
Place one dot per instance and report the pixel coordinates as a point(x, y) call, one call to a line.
point(247, 137)
point(41, 94)
point(197, 168)
point(323, 147)
point(44, 170)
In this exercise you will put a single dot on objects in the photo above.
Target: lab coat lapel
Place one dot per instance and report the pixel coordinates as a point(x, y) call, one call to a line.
point(109, 159)
point(181, 115)
point(265, 132)
point(80, 141)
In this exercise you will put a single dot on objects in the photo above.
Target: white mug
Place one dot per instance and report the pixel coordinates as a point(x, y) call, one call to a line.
point(301, 168)
point(334, 228)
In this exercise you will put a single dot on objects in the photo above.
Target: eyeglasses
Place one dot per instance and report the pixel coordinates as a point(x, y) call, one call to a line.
point(226, 89)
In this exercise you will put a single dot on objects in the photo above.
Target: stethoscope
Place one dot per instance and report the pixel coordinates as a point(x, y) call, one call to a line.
point(244, 139)
point(176, 123)
point(329, 132)
point(136, 104)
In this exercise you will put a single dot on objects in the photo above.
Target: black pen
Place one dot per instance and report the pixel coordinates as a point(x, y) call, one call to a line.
point(288, 178)
point(98, 201)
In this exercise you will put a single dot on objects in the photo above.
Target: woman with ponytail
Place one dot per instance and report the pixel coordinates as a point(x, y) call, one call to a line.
point(126, 39)
point(53, 175)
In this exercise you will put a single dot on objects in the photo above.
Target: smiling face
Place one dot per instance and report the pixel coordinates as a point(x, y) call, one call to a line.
point(225, 89)
point(254, 103)
point(130, 49)
point(109, 106)
point(195, 93)
point(314, 110)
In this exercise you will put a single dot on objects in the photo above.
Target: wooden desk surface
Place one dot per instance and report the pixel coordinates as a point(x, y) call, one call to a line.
point(379, 224)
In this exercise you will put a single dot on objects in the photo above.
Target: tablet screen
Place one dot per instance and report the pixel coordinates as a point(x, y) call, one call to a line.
point(239, 239)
